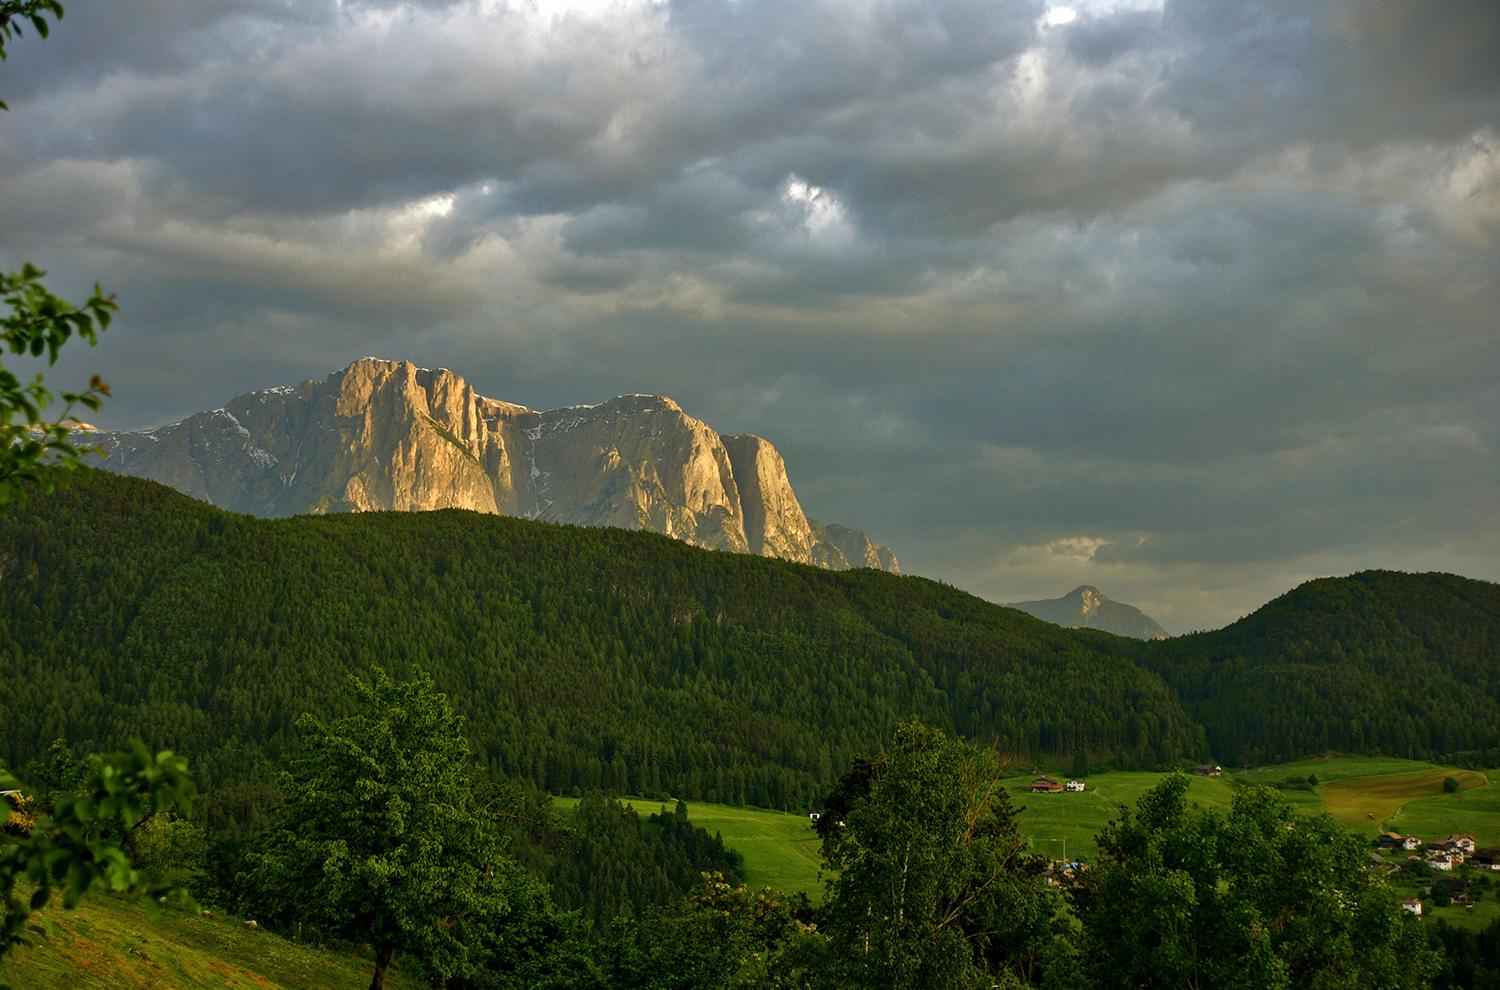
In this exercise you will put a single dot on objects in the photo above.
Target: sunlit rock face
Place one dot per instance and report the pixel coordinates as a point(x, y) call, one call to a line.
point(389, 435)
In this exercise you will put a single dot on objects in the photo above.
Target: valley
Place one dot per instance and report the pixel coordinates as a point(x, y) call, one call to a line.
point(579, 660)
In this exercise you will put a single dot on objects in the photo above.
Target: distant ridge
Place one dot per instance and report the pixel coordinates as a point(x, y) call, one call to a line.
point(388, 435)
point(1086, 608)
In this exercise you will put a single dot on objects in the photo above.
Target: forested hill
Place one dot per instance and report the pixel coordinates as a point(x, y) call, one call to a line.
point(582, 657)
point(631, 662)
point(1380, 662)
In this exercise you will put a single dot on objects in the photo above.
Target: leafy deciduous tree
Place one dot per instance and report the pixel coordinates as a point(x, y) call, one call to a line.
point(36, 323)
point(380, 838)
point(1260, 898)
point(933, 886)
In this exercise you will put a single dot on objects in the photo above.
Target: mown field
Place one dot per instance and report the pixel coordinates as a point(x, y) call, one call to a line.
point(1366, 793)
point(111, 944)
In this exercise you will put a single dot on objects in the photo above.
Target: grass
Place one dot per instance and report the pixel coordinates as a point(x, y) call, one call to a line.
point(111, 944)
point(780, 849)
point(1483, 913)
point(1369, 793)
point(1365, 803)
point(1473, 809)
point(1066, 824)
point(1330, 768)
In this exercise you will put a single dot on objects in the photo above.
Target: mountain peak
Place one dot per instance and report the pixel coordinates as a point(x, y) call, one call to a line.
point(1086, 607)
point(382, 434)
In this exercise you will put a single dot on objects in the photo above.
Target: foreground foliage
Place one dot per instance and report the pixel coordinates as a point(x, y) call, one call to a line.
point(75, 840)
point(1258, 898)
point(933, 885)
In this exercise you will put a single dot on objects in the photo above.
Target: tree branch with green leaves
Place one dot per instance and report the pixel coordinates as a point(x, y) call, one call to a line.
point(36, 323)
point(73, 843)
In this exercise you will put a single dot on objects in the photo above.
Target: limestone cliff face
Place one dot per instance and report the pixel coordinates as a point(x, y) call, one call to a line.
point(389, 435)
point(775, 524)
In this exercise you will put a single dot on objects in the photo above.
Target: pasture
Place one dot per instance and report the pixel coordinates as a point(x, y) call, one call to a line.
point(1064, 825)
point(780, 848)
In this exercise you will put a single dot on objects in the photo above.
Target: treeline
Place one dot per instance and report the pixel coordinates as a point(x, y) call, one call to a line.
point(607, 862)
point(582, 659)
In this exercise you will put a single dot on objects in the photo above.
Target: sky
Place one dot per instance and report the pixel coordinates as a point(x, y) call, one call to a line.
point(1188, 301)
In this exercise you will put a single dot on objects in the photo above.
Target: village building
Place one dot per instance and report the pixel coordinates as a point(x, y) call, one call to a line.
point(1412, 905)
point(1463, 842)
point(1448, 847)
point(1206, 770)
point(1457, 889)
point(16, 813)
point(1395, 840)
point(1487, 858)
point(1445, 861)
point(1075, 785)
point(1046, 785)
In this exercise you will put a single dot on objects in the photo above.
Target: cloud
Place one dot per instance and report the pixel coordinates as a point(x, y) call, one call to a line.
point(1205, 290)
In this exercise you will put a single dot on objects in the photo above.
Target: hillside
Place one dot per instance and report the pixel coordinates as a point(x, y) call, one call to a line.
point(383, 435)
point(582, 657)
point(599, 657)
point(107, 943)
point(1380, 662)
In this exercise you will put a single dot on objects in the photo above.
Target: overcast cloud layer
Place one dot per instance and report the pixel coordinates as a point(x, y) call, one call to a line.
point(1191, 302)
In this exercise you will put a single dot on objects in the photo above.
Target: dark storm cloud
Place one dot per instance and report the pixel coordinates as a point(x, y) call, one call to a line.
point(1191, 301)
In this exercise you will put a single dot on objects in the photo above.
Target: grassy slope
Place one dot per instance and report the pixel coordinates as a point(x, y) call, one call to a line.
point(780, 849)
point(1403, 794)
point(1047, 819)
point(1475, 810)
point(110, 944)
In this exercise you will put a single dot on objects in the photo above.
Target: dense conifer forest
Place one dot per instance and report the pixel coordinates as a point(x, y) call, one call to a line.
point(1379, 662)
point(582, 659)
point(598, 659)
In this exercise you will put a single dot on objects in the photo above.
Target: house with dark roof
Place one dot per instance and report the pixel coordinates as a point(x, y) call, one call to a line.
point(1486, 858)
point(1046, 785)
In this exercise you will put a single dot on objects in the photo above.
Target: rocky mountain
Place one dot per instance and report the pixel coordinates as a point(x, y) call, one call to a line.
point(1086, 608)
point(389, 435)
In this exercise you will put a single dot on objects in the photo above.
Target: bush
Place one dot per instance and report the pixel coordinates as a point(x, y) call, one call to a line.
point(1451, 785)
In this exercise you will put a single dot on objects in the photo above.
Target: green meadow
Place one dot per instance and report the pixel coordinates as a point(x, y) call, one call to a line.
point(780, 849)
point(1064, 825)
point(111, 944)
point(1366, 793)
